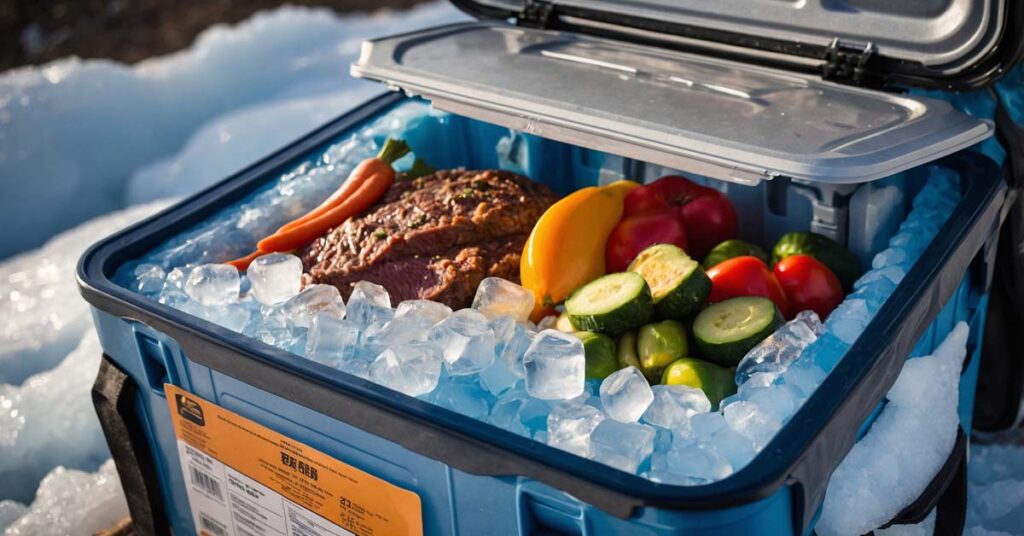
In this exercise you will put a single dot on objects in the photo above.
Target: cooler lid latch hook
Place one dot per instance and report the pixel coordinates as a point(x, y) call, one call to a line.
point(848, 62)
point(537, 14)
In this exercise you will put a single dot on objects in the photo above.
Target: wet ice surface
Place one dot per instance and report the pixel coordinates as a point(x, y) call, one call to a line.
point(72, 502)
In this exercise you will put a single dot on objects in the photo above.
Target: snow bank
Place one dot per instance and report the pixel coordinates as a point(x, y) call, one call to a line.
point(72, 503)
point(73, 131)
point(893, 463)
point(42, 316)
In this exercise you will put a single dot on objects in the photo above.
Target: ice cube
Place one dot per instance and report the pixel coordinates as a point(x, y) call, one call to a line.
point(149, 279)
point(213, 284)
point(425, 312)
point(463, 394)
point(511, 342)
point(626, 395)
point(467, 342)
point(892, 256)
point(804, 377)
point(775, 353)
point(497, 297)
point(506, 412)
point(369, 303)
point(555, 366)
point(699, 462)
point(275, 277)
point(548, 322)
point(313, 300)
point(848, 320)
point(570, 426)
point(673, 405)
point(749, 419)
point(331, 341)
point(621, 445)
point(497, 378)
point(413, 369)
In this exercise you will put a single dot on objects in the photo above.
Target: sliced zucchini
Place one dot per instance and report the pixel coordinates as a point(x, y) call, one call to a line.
point(564, 324)
point(611, 304)
point(626, 350)
point(679, 287)
point(599, 351)
point(659, 344)
point(727, 330)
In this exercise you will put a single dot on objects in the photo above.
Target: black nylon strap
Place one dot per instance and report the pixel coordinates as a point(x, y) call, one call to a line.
point(114, 397)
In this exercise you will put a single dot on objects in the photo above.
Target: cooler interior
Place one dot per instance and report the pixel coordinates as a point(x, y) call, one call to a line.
point(863, 217)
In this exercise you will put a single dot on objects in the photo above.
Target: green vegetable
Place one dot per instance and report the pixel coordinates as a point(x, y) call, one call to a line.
point(725, 331)
point(658, 345)
point(612, 304)
point(599, 352)
point(731, 249)
point(840, 260)
point(678, 285)
point(564, 324)
point(716, 382)
point(626, 353)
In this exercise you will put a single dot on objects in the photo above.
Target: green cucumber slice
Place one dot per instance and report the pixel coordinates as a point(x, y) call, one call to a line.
point(599, 351)
point(611, 304)
point(679, 287)
point(727, 330)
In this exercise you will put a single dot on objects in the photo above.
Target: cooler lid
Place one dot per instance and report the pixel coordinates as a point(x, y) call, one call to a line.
point(714, 117)
point(931, 43)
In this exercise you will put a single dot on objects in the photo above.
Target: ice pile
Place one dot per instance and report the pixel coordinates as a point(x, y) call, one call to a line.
point(893, 463)
point(50, 421)
point(68, 502)
point(43, 317)
point(996, 487)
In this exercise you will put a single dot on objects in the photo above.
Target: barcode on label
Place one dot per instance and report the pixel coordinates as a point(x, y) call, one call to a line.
point(206, 482)
point(211, 525)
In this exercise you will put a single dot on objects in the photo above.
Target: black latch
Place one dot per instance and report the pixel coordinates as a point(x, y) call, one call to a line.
point(537, 14)
point(849, 63)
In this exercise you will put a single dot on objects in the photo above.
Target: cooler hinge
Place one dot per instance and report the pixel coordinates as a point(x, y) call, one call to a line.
point(537, 14)
point(849, 63)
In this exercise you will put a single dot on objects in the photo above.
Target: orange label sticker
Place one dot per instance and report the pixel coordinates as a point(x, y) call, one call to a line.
point(244, 479)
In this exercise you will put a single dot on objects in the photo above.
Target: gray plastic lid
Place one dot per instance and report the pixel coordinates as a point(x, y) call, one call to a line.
point(950, 34)
point(726, 120)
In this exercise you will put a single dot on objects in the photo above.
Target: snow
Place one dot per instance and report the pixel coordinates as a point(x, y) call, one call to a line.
point(106, 135)
point(893, 463)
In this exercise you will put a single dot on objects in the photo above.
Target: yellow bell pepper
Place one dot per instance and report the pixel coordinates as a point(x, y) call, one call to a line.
point(565, 250)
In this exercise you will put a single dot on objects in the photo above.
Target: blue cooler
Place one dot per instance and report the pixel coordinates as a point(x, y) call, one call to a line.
point(795, 111)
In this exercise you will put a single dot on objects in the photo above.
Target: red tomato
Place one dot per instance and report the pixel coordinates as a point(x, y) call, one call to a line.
point(745, 276)
point(708, 215)
point(710, 220)
point(632, 235)
point(809, 284)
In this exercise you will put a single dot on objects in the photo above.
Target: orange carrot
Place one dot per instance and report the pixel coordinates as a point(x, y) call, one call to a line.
point(371, 190)
point(375, 172)
point(242, 263)
point(392, 150)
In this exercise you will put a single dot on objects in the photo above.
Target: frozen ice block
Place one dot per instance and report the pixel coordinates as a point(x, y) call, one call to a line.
point(497, 297)
point(275, 277)
point(623, 446)
point(673, 405)
point(570, 426)
point(466, 340)
point(413, 369)
point(626, 395)
point(213, 284)
point(776, 352)
point(149, 279)
point(701, 463)
point(425, 313)
point(331, 340)
point(555, 366)
point(368, 304)
point(313, 300)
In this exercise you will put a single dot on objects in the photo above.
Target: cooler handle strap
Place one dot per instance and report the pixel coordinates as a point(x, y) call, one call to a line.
point(114, 396)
